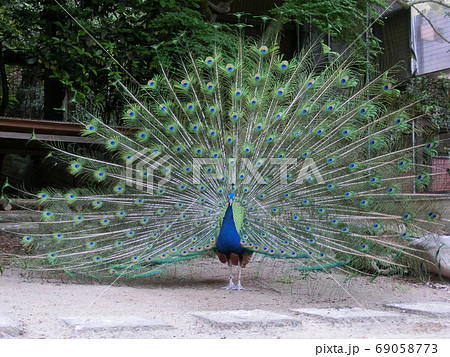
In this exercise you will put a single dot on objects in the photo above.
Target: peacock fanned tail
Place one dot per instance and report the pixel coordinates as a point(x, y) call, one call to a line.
point(319, 161)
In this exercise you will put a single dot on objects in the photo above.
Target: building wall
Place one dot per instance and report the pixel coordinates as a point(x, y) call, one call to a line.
point(440, 180)
point(394, 35)
point(432, 52)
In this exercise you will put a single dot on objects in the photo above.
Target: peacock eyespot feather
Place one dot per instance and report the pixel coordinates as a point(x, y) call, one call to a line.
point(119, 189)
point(27, 239)
point(242, 106)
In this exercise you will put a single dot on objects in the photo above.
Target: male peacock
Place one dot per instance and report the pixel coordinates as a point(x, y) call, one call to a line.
point(243, 153)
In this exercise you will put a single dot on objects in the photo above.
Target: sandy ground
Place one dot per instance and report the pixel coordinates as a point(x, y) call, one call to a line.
point(271, 285)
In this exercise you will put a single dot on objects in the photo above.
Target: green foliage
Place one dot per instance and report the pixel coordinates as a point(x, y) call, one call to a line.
point(341, 19)
point(433, 96)
point(18, 26)
point(72, 48)
point(127, 30)
point(139, 34)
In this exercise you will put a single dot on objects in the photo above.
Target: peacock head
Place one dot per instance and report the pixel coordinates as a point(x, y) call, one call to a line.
point(231, 198)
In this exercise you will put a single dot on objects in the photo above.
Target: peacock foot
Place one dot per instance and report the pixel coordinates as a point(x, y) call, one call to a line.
point(230, 285)
point(238, 286)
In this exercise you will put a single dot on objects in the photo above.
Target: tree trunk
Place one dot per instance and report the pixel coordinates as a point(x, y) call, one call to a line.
point(54, 92)
point(4, 81)
point(54, 97)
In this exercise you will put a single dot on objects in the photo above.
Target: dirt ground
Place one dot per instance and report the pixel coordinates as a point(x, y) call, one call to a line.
point(271, 285)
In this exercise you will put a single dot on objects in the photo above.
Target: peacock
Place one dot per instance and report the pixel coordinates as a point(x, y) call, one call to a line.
point(241, 152)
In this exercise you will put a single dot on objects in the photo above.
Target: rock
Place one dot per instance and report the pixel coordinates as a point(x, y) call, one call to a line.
point(112, 323)
point(435, 309)
point(245, 318)
point(349, 314)
point(9, 327)
point(436, 249)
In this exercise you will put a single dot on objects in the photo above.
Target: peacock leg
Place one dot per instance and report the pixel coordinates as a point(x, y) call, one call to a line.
point(230, 285)
point(239, 286)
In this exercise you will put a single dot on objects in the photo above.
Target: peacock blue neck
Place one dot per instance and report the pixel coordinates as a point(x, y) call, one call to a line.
point(229, 240)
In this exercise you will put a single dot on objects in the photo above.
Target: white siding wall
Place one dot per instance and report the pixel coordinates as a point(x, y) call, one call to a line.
point(432, 52)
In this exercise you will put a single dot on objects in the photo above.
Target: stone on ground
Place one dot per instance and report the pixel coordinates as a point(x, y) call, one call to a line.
point(9, 327)
point(245, 318)
point(112, 323)
point(345, 314)
point(436, 309)
point(436, 251)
